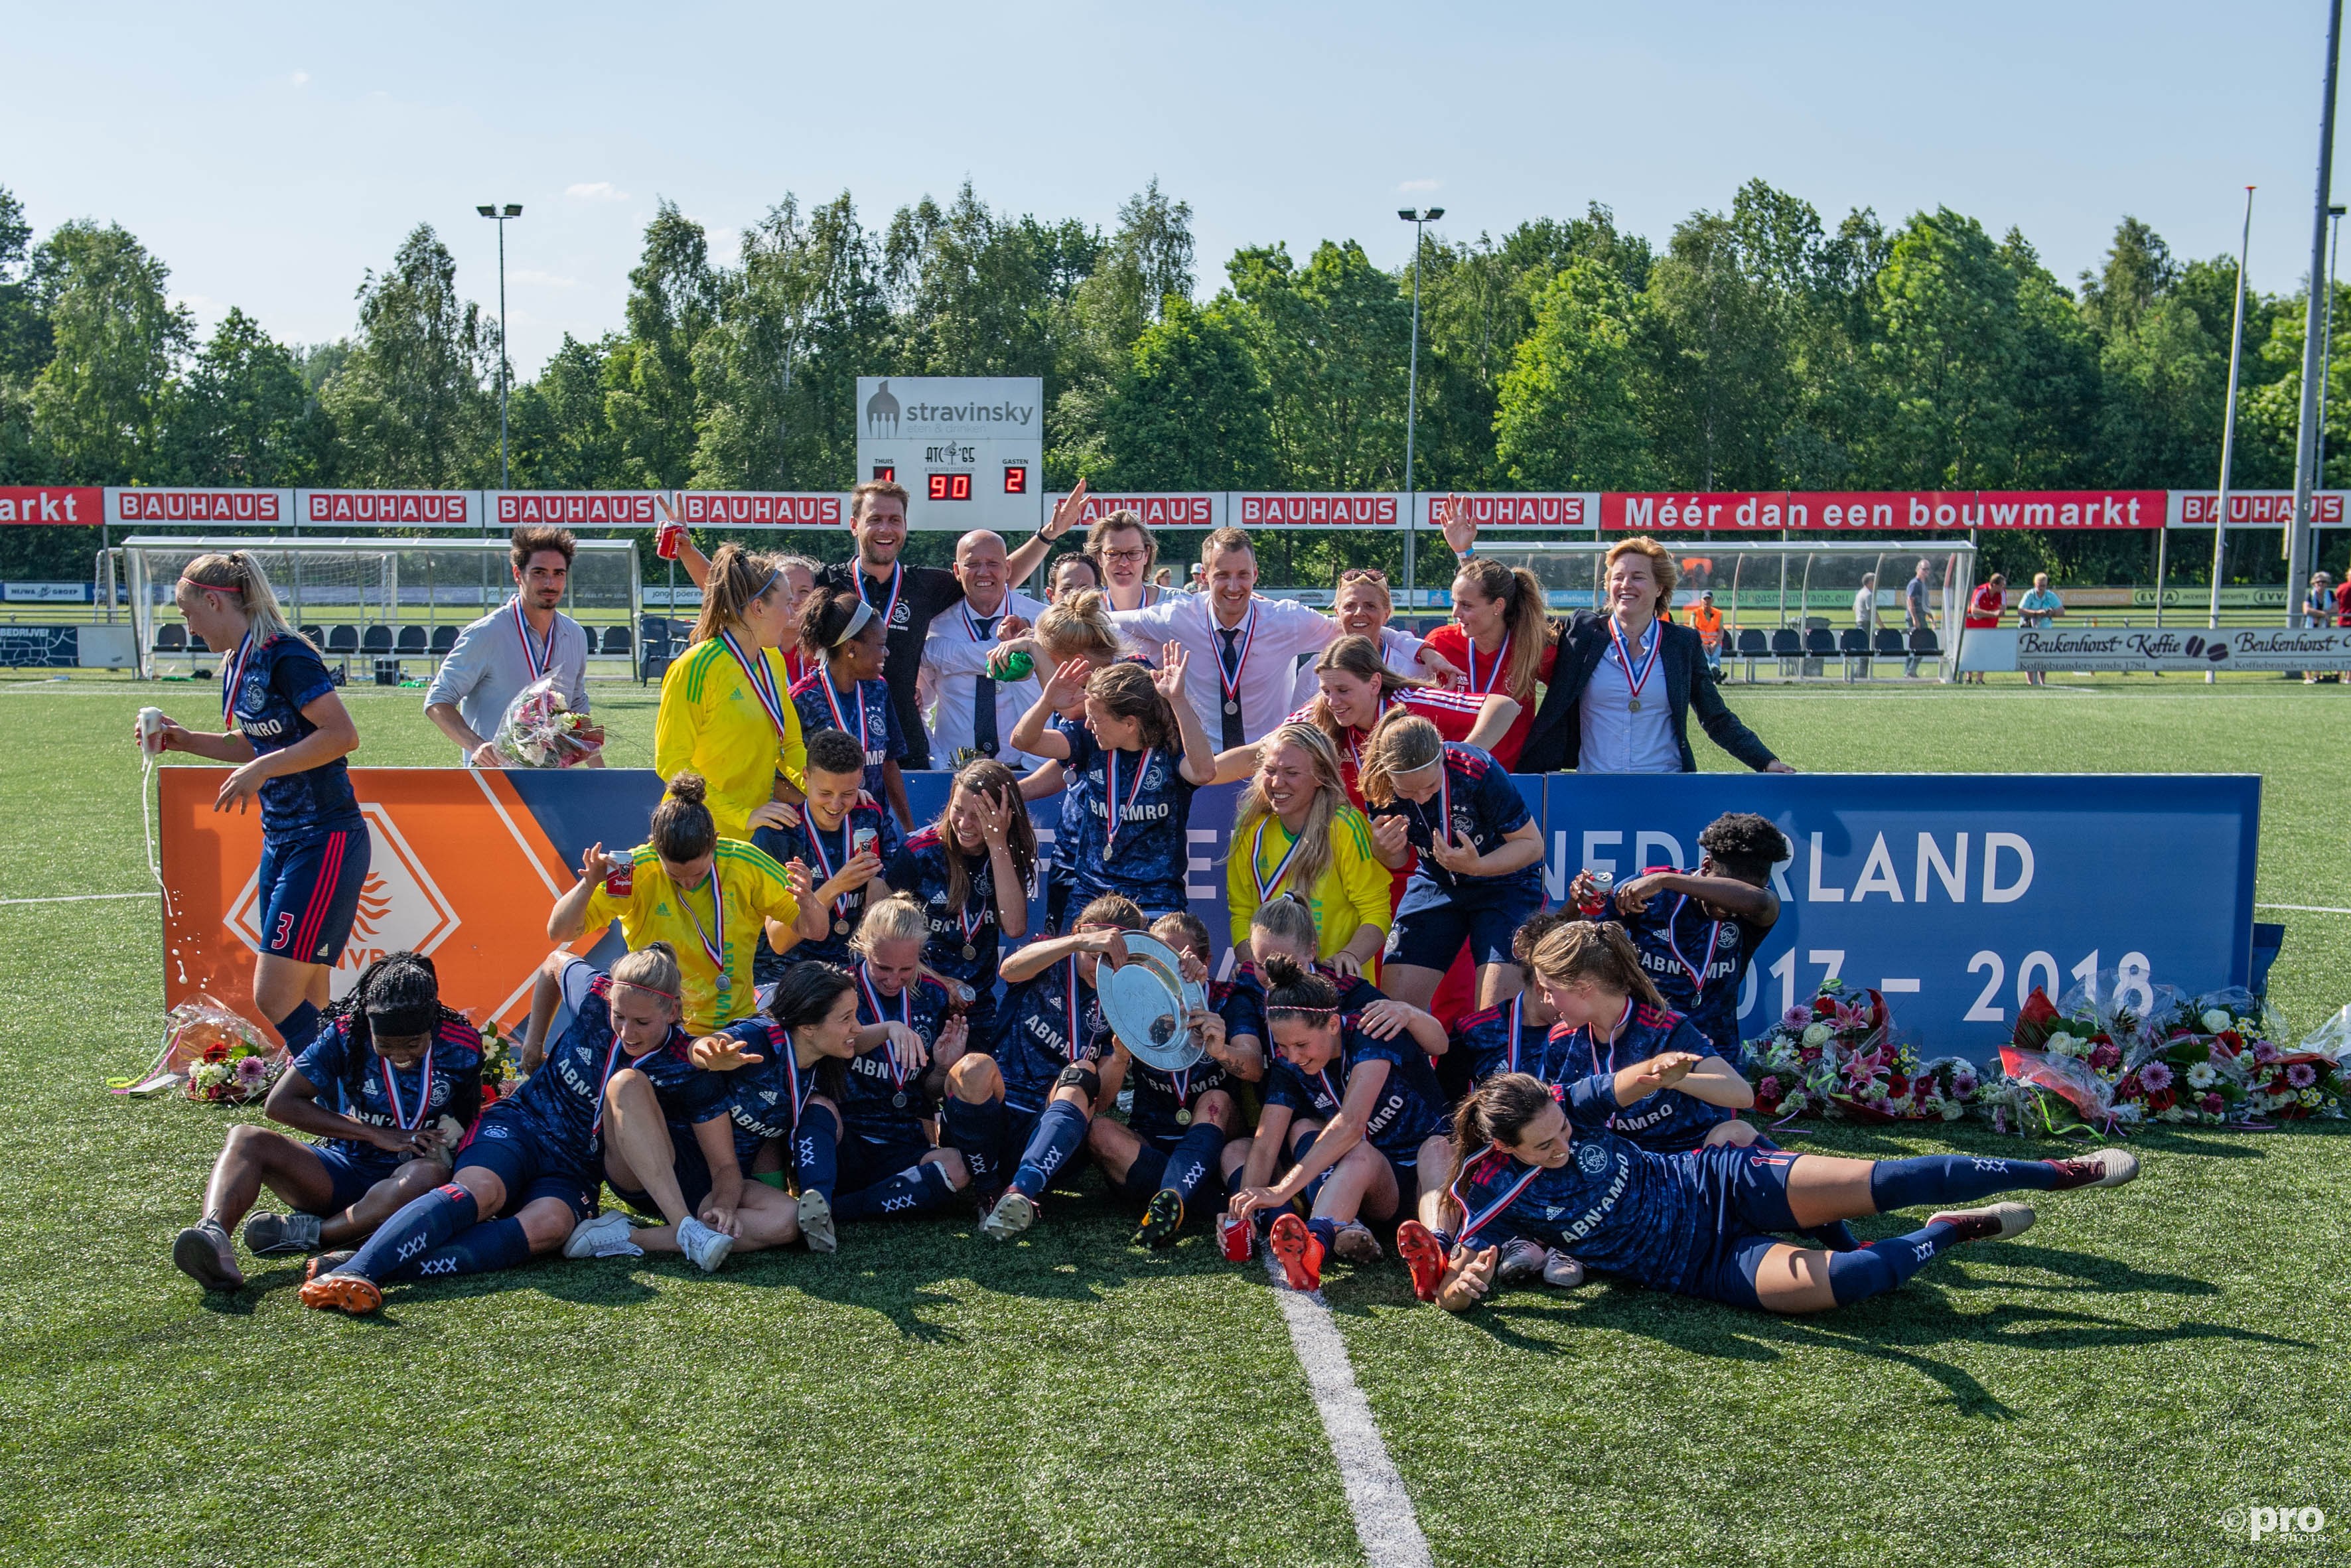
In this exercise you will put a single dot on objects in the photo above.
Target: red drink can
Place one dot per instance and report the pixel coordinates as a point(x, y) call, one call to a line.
point(1236, 1237)
point(622, 881)
point(667, 538)
point(1603, 884)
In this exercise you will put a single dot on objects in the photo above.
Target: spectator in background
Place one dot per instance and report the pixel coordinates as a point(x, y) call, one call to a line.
point(2343, 601)
point(1073, 574)
point(1984, 606)
point(2039, 606)
point(1915, 617)
point(1707, 622)
point(1864, 612)
point(2318, 610)
point(522, 641)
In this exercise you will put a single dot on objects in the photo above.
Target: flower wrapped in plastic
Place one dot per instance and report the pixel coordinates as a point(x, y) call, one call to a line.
point(210, 1053)
point(539, 729)
point(2061, 1067)
point(1833, 1054)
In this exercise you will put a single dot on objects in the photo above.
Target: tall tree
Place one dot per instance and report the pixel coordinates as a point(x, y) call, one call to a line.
point(1333, 337)
point(562, 436)
point(1571, 413)
point(244, 416)
point(1193, 411)
point(409, 402)
point(673, 300)
point(117, 339)
point(1724, 387)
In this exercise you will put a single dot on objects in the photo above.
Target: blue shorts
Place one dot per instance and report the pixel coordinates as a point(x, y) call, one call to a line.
point(350, 1172)
point(1750, 1187)
point(689, 1165)
point(1431, 925)
point(310, 895)
point(512, 1147)
point(863, 1163)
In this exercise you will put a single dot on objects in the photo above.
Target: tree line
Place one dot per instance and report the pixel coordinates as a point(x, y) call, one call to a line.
point(1756, 348)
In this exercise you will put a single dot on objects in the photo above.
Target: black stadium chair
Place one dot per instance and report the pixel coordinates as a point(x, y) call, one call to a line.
point(1923, 644)
point(315, 636)
point(617, 640)
point(1819, 644)
point(1852, 644)
point(1888, 644)
point(412, 640)
point(444, 637)
point(196, 644)
point(1751, 645)
point(171, 637)
point(342, 639)
point(653, 657)
point(376, 639)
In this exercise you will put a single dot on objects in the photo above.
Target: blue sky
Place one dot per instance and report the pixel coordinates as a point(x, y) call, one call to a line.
point(271, 155)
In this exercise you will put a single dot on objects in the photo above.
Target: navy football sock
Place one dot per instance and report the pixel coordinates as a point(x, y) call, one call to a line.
point(1836, 1236)
point(296, 1028)
point(976, 1132)
point(1299, 1148)
point(1325, 1230)
point(424, 1223)
point(476, 1250)
point(1882, 1265)
point(1059, 1132)
point(1145, 1177)
point(1953, 1178)
point(1194, 1161)
point(909, 1192)
point(816, 1155)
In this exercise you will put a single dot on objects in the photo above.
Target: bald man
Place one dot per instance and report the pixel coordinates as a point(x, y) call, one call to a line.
point(970, 713)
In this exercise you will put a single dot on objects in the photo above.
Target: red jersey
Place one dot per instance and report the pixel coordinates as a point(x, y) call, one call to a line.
point(1455, 715)
point(1984, 607)
point(1486, 676)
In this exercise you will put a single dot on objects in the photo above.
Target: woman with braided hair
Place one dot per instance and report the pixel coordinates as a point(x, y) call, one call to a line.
point(387, 1089)
point(726, 714)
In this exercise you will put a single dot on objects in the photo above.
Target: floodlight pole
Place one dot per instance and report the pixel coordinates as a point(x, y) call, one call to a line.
point(2229, 422)
point(1416, 217)
point(501, 215)
point(2302, 530)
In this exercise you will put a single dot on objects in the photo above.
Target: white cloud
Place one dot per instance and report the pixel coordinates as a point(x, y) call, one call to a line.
point(544, 279)
point(1420, 185)
point(596, 190)
point(299, 78)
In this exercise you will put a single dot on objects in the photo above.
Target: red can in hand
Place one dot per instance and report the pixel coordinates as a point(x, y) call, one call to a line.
point(667, 538)
point(1594, 903)
point(621, 880)
point(1236, 1237)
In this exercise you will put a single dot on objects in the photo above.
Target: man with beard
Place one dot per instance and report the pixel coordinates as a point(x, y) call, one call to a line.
point(522, 641)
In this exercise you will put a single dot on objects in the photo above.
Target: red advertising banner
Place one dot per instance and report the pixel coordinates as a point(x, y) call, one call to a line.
point(2254, 508)
point(69, 506)
point(165, 504)
point(1523, 509)
point(1817, 511)
point(761, 508)
point(576, 509)
point(1158, 510)
point(1300, 509)
point(459, 868)
point(382, 508)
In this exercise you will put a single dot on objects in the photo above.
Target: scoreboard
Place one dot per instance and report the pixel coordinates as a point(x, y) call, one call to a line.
point(970, 450)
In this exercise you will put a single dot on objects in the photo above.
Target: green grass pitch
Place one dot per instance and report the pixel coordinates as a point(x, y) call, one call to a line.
point(2099, 1393)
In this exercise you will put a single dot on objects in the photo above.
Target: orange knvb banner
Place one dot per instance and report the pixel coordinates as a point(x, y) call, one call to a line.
point(461, 867)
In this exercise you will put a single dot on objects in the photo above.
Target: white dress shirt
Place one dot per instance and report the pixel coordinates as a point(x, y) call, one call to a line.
point(487, 668)
point(1399, 647)
point(1616, 739)
point(953, 659)
point(1283, 629)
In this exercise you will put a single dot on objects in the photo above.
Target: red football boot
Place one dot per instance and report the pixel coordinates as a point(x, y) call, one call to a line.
point(1424, 1255)
point(1299, 1253)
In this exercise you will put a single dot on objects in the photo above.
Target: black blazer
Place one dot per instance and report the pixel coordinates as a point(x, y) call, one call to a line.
point(1557, 734)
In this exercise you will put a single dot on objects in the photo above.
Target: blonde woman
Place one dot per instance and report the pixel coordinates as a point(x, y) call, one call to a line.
point(1295, 831)
point(286, 734)
point(726, 707)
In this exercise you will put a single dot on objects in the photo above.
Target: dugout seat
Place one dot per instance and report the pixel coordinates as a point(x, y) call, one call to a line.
point(444, 637)
point(315, 636)
point(1923, 644)
point(1852, 645)
point(197, 645)
point(617, 640)
point(376, 639)
point(171, 637)
point(1887, 645)
point(342, 639)
point(412, 640)
point(1750, 645)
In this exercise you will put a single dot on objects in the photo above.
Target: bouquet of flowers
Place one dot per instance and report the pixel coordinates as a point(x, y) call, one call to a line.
point(539, 729)
point(2060, 1066)
point(212, 1054)
point(1832, 1052)
point(1945, 1087)
point(2307, 1080)
point(497, 1064)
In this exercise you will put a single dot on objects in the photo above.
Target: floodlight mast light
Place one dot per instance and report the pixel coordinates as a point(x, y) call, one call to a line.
point(1416, 217)
point(491, 210)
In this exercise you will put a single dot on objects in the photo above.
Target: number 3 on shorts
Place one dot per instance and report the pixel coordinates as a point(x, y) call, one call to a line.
point(285, 929)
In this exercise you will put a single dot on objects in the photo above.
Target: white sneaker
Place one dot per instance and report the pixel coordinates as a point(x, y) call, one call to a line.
point(707, 1246)
point(1562, 1271)
point(1014, 1213)
point(816, 1223)
point(606, 1235)
point(1522, 1262)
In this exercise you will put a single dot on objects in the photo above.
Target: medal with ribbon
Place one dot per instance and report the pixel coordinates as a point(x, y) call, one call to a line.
point(399, 1118)
point(1231, 683)
point(840, 719)
point(714, 947)
point(1072, 1001)
point(1267, 886)
point(1502, 657)
point(1338, 1095)
point(1116, 809)
point(969, 920)
point(1478, 1217)
point(899, 1100)
point(232, 677)
point(1517, 1003)
point(1635, 681)
point(1592, 1040)
point(611, 1066)
point(798, 1096)
point(538, 660)
point(1713, 940)
point(1440, 832)
point(889, 606)
point(841, 905)
point(756, 671)
point(1182, 1079)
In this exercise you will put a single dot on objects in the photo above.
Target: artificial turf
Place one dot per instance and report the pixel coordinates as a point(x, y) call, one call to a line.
point(2100, 1391)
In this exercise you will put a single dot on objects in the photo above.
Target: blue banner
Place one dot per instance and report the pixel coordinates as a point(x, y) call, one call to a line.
point(1953, 894)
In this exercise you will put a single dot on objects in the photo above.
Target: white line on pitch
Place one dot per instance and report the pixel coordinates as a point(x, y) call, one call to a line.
point(77, 898)
point(1385, 1521)
point(2305, 908)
